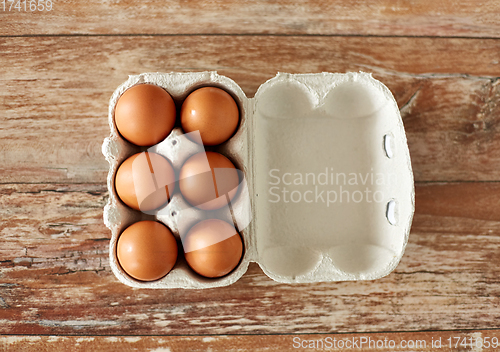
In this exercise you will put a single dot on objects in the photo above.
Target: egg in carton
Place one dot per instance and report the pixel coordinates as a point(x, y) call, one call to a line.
point(326, 190)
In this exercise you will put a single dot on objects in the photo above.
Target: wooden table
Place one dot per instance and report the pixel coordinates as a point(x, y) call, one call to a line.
point(441, 59)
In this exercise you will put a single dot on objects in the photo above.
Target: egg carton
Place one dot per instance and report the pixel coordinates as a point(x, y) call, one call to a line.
point(327, 193)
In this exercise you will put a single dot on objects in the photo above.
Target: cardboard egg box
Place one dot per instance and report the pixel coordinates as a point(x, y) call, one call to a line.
point(327, 191)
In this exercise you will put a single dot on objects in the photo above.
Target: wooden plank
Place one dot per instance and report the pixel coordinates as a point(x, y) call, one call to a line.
point(53, 102)
point(340, 17)
point(445, 341)
point(55, 277)
point(474, 200)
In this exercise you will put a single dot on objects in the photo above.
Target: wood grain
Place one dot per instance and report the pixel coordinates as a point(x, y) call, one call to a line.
point(340, 17)
point(55, 277)
point(53, 110)
point(424, 341)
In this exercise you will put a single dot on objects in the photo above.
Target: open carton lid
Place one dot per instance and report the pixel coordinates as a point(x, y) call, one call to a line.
point(333, 184)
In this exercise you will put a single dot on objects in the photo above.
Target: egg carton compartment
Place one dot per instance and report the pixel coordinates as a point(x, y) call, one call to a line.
point(177, 148)
point(300, 125)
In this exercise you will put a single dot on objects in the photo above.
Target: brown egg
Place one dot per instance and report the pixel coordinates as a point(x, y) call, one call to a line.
point(145, 114)
point(208, 180)
point(213, 112)
point(147, 250)
point(145, 181)
point(213, 248)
